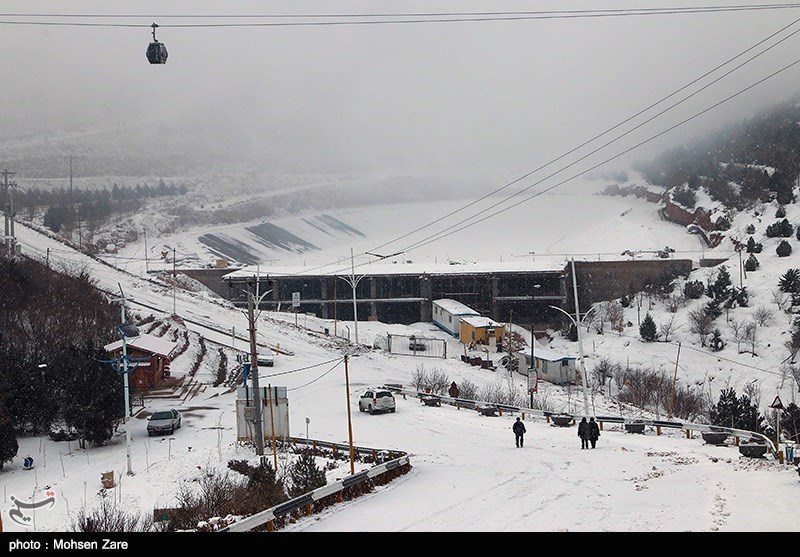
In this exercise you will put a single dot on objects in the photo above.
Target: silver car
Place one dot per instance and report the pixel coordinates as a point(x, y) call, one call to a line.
point(376, 401)
point(163, 422)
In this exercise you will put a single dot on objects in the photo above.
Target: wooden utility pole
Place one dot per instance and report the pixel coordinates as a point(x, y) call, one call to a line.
point(146, 262)
point(334, 306)
point(174, 283)
point(349, 419)
point(272, 423)
point(674, 381)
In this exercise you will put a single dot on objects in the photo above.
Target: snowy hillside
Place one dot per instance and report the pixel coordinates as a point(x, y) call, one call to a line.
point(465, 469)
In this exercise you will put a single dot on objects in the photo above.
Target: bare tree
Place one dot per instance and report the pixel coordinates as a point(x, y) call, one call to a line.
point(667, 328)
point(675, 302)
point(615, 314)
point(750, 336)
point(739, 333)
point(781, 299)
point(701, 324)
point(763, 316)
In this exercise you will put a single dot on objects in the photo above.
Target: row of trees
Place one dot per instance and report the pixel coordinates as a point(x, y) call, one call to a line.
point(761, 156)
point(67, 209)
point(53, 327)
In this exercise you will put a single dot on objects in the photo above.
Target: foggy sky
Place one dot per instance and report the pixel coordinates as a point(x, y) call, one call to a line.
point(403, 97)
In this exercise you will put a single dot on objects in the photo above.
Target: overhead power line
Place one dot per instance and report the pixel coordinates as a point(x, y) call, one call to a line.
point(374, 18)
point(454, 228)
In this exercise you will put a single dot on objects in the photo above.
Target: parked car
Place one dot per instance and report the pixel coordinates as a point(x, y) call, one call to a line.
point(416, 346)
point(265, 357)
point(163, 421)
point(376, 401)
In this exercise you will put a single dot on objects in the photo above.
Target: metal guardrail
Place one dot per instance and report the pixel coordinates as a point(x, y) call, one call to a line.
point(478, 404)
point(390, 460)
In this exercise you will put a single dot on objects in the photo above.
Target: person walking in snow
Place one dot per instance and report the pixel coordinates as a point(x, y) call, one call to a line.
point(519, 431)
point(583, 433)
point(453, 390)
point(594, 432)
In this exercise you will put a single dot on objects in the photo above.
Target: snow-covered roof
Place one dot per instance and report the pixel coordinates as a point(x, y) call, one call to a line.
point(148, 343)
point(542, 265)
point(550, 355)
point(480, 321)
point(454, 307)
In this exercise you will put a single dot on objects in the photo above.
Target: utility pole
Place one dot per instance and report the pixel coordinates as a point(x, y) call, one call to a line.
point(675, 381)
point(272, 422)
point(533, 338)
point(174, 283)
point(334, 306)
point(8, 209)
point(580, 341)
point(349, 419)
point(254, 371)
point(146, 262)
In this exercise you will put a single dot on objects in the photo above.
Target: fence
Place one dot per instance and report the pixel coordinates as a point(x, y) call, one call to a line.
point(389, 465)
point(412, 345)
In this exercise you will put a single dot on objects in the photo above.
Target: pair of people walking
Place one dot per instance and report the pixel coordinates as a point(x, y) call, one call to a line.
point(589, 432)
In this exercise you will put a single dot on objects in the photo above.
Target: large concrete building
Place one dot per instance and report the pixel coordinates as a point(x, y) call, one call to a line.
point(405, 293)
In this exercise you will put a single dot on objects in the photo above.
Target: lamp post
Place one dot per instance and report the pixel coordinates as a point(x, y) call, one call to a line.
point(124, 332)
point(580, 351)
point(353, 281)
point(533, 337)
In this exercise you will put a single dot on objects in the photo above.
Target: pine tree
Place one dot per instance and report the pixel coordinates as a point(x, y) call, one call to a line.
point(93, 395)
point(305, 475)
point(648, 330)
point(753, 246)
point(790, 422)
point(716, 341)
point(784, 249)
point(724, 413)
point(719, 290)
point(751, 264)
point(693, 289)
point(713, 309)
point(790, 281)
point(736, 413)
point(8, 439)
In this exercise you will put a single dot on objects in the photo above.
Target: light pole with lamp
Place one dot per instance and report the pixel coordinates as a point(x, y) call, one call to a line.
point(533, 339)
point(353, 281)
point(580, 351)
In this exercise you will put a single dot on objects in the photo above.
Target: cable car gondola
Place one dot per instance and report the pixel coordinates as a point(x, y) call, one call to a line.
point(156, 51)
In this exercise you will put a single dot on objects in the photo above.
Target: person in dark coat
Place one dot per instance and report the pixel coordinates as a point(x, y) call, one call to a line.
point(519, 431)
point(453, 390)
point(583, 433)
point(594, 431)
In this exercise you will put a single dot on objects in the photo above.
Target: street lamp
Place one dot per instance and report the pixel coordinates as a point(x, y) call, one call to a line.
point(533, 337)
point(580, 351)
point(353, 281)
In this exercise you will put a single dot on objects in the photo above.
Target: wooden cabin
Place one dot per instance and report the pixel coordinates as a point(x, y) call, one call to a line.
point(158, 352)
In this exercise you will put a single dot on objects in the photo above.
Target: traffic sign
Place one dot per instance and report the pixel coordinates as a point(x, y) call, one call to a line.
point(777, 404)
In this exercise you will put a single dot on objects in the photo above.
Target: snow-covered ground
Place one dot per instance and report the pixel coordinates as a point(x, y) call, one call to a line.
point(467, 474)
point(501, 230)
